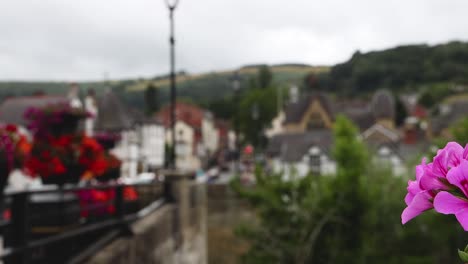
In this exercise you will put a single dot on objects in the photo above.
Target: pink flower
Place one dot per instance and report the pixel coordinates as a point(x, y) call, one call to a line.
point(448, 203)
point(418, 199)
point(436, 172)
point(432, 179)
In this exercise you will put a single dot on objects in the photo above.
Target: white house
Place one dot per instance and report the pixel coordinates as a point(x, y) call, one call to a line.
point(142, 140)
point(186, 146)
point(210, 134)
point(302, 153)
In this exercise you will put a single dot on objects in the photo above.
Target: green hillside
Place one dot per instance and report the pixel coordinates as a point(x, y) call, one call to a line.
point(199, 88)
point(403, 68)
point(400, 68)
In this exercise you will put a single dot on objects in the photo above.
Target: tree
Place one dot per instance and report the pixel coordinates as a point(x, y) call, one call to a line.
point(290, 217)
point(265, 77)
point(401, 112)
point(257, 109)
point(427, 100)
point(151, 99)
point(351, 159)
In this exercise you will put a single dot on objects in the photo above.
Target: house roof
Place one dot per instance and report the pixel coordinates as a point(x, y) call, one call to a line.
point(390, 134)
point(188, 113)
point(140, 118)
point(113, 114)
point(293, 147)
point(12, 109)
point(362, 113)
point(295, 111)
point(364, 118)
point(383, 104)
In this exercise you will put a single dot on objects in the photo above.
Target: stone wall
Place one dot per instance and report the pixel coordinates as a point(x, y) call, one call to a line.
point(173, 234)
point(198, 227)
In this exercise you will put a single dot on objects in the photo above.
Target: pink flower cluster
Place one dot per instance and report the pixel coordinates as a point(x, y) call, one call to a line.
point(441, 184)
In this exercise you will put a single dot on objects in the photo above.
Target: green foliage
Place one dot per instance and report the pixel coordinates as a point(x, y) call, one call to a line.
point(251, 124)
point(264, 76)
point(427, 100)
point(460, 131)
point(353, 217)
point(291, 217)
point(349, 152)
point(224, 108)
point(151, 99)
point(401, 113)
point(429, 238)
point(402, 67)
point(352, 159)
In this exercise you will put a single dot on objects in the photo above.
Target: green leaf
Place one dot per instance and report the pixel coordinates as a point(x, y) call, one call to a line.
point(463, 255)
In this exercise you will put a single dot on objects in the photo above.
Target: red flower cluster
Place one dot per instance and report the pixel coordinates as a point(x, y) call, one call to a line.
point(60, 150)
point(14, 146)
point(92, 156)
point(59, 155)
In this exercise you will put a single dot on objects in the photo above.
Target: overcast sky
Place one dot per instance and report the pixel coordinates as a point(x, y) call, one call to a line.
point(83, 39)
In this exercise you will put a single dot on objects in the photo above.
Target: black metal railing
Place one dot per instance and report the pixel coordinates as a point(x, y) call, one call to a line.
point(50, 225)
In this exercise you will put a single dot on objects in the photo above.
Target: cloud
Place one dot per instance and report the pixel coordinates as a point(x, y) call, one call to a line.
point(80, 40)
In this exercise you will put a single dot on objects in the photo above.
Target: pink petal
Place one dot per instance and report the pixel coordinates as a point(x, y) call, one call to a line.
point(458, 176)
point(465, 152)
point(420, 169)
point(462, 218)
point(419, 204)
point(413, 189)
point(455, 153)
point(430, 181)
point(440, 163)
point(447, 203)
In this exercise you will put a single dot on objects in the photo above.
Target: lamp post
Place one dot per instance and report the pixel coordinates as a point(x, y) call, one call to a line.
point(171, 5)
point(255, 117)
point(236, 85)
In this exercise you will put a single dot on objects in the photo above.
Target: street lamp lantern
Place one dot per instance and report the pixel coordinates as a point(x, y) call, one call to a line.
point(171, 5)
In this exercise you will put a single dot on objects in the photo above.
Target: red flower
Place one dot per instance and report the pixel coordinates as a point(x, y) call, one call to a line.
point(90, 144)
point(130, 194)
point(58, 167)
point(62, 141)
point(23, 146)
point(11, 128)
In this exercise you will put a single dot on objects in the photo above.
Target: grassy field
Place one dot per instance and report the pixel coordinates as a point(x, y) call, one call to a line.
point(281, 74)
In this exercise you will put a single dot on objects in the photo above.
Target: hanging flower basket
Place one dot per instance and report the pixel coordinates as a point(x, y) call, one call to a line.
point(66, 159)
point(54, 120)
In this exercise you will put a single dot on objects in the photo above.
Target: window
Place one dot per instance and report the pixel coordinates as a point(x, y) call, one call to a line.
point(315, 160)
